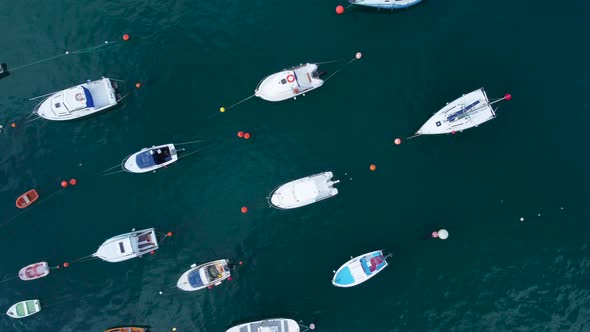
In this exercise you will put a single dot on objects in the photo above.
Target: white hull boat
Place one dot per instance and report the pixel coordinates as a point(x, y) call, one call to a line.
point(24, 309)
point(34, 271)
point(268, 325)
point(360, 269)
point(205, 275)
point(80, 101)
point(150, 159)
point(290, 83)
point(465, 112)
point(127, 246)
point(304, 191)
point(386, 4)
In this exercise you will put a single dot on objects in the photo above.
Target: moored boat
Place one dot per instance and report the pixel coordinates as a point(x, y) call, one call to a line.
point(465, 112)
point(24, 309)
point(360, 269)
point(205, 275)
point(150, 159)
point(127, 329)
point(34, 271)
point(127, 246)
point(290, 82)
point(80, 100)
point(304, 191)
point(386, 4)
point(27, 199)
point(268, 325)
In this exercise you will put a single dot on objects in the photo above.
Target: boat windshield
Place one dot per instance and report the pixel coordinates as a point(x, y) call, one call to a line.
point(194, 278)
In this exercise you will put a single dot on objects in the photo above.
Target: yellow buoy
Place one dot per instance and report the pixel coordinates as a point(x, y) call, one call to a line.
point(222, 109)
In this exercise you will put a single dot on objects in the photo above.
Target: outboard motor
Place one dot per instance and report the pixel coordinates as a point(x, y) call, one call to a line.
point(319, 74)
point(3, 70)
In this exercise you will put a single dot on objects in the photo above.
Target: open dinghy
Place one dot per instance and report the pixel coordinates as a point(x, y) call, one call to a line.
point(465, 112)
point(127, 246)
point(127, 329)
point(268, 325)
point(150, 159)
point(304, 191)
point(385, 4)
point(205, 275)
point(34, 271)
point(290, 83)
point(27, 199)
point(360, 269)
point(80, 101)
point(24, 309)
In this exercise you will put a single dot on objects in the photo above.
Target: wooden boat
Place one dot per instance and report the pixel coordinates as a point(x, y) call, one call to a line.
point(127, 329)
point(24, 309)
point(34, 271)
point(27, 199)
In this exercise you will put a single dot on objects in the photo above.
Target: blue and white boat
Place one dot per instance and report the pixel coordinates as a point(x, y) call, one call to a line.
point(80, 101)
point(360, 269)
point(385, 4)
point(465, 112)
point(205, 275)
point(150, 159)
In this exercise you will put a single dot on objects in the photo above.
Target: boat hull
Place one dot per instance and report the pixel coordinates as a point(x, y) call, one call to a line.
point(386, 4)
point(289, 83)
point(140, 162)
point(355, 272)
point(304, 191)
point(127, 246)
point(184, 280)
point(275, 325)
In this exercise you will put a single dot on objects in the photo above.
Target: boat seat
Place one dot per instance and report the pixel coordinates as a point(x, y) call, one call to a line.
point(26, 199)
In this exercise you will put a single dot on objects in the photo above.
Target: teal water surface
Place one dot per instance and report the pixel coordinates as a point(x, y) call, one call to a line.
point(494, 273)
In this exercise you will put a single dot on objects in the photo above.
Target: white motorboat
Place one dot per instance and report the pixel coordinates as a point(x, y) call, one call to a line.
point(268, 325)
point(205, 275)
point(466, 112)
point(80, 101)
point(385, 4)
point(290, 83)
point(127, 246)
point(150, 159)
point(360, 269)
point(24, 309)
point(304, 191)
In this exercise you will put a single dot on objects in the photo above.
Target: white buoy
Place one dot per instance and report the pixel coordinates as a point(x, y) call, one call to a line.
point(443, 234)
point(312, 326)
point(521, 219)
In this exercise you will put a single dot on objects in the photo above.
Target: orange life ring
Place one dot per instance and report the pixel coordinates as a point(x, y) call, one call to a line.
point(290, 78)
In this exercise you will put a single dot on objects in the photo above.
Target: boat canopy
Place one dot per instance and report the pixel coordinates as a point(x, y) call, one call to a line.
point(78, 98)
point(194, 278)
point(371, 263)
point(153, 157)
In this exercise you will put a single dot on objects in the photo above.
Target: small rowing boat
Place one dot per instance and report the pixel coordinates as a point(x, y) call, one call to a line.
point(268, 325)
point(127, 329)
point(24, 309)
point(385, 4)
point(34, 271)
point(27, 199)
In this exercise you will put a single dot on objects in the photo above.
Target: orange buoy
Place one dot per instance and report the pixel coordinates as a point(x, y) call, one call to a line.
point(138, 85)
point(397, 141)
point(125, 37)
point(64, 183)
point(13, 125)
point(169, 234)
point(66, 264)
point(73, 182)
point(244, 209)
point(247, 136)
point(358, 55)
point(339, 9)
point(372, 167)
point(240, 134)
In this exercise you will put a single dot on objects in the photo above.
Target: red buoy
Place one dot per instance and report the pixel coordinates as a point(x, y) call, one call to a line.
point(244, 209)
point(339, 9)
point(240, 134)
point(64, 183)
point(373, 167)
point(152, 252)
point(169, 234)
point(398, 141)
point(138, 85)
point(125, 37)
point(229, 278)
point(66, 264)
point(246, 135)
point(73, 182)
point(241, 263)
point(13, 125)
point(507, 96)
point(210, 286)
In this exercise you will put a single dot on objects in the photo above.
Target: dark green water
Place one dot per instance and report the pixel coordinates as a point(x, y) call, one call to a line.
point(494, 273)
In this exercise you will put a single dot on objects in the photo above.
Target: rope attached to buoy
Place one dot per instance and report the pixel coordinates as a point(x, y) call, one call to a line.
point(357, 56)
point(223, 109)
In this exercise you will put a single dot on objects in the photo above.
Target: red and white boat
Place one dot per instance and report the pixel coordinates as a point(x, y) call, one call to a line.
point(27, 199)
point(34, 271)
